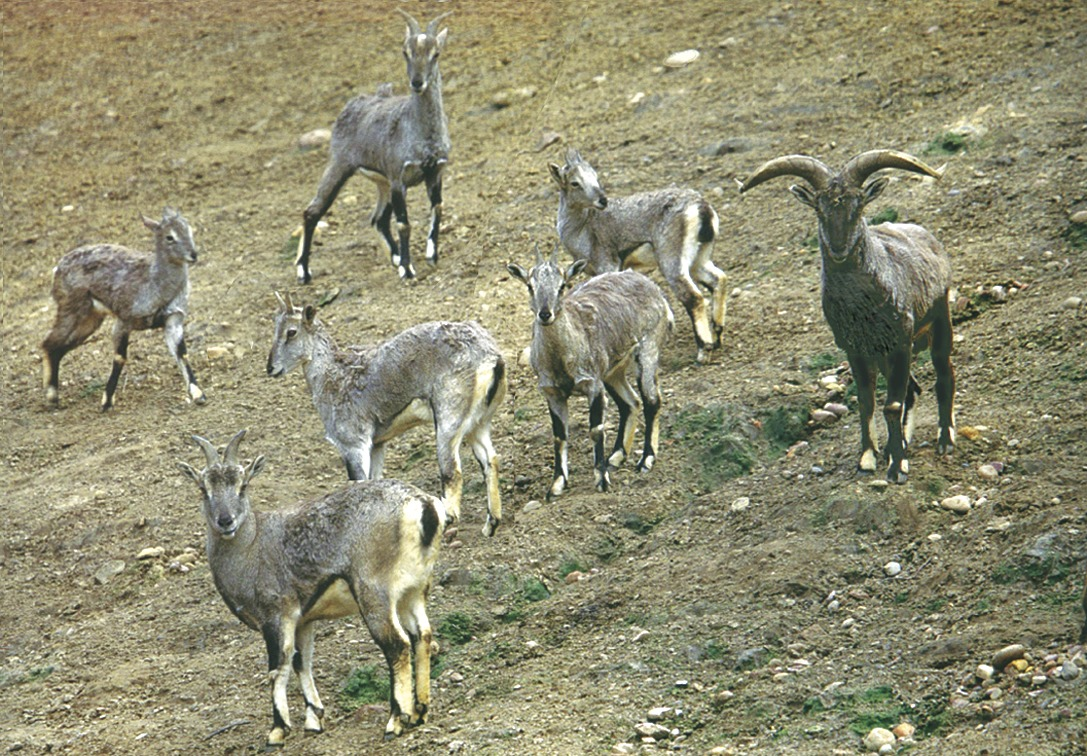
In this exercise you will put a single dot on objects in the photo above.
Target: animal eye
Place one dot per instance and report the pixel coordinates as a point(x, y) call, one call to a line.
point(576, 184)
point(171, 237)
point(292, 332)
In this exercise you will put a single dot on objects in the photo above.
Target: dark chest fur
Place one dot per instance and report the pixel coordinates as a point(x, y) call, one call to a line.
point(863, 317)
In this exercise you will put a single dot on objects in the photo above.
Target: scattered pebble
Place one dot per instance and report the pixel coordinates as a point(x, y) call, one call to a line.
point(1071, 303)
point(740, 504)
point(681, 58)
point(1069, 670)
point(903, 730)
point(877, 738)
point(878, 483)
point(108, 571)
point(1008, 654)
point(652, 730)
point(836, 407)
point(531, 506)
point(823, 416)
point(988, 472)
point(658, 713)
point(152, 552)
point(1080, 216)
point(984, 672)
point(892, 568)
point(574, 576)
point(315, 138)
point(958, 504)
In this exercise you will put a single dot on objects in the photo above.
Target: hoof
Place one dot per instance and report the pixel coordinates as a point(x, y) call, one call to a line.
point(646, 464)
point(490, 526)
point(406, 271)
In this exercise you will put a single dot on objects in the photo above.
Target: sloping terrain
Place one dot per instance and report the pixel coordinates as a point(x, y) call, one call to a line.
point(741, 584)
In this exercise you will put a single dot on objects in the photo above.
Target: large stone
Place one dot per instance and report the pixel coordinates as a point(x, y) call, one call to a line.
point(877, 738)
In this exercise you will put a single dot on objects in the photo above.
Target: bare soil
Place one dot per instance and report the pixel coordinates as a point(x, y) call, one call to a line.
point(769, 622)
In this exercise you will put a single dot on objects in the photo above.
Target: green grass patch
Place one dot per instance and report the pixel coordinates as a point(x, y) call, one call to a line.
point(1076, 235)
point(457, 628)
point(717, 440)
point(936, 605)
point(365, 685)
point(521, 414)
point(822, 361)
point(948, 143)
point(1045, 571)
point(886, 215)
point(570, 564)
point(92, 388)
point(785, 425)
point(533, 590)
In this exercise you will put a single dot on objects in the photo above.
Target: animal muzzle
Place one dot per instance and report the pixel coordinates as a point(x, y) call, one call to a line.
point(274, 371)
point(545, 316)
point(418, 85)
point(601, 203)
point(227, 527)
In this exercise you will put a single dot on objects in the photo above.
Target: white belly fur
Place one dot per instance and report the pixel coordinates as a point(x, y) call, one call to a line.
point(335, 602)
point(416, 413)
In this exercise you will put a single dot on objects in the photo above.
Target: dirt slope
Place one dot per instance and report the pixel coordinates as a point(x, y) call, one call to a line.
point(754, 606)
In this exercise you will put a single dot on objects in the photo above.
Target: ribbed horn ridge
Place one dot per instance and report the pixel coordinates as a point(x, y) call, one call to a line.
point(808, 168)
point(865, 164)
point(413, 25)
point(230, 455)
point(210, 452)
point(432, 27)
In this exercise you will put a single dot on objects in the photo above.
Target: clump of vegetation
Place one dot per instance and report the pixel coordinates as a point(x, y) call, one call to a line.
point(1076, 235)
point(533, 590)
point(785, 425)
point(886, 215)
point(718, 441)
point(948, 143)
point(457, 628)
point(823, 361)
point(570, 564)
point(365, 685)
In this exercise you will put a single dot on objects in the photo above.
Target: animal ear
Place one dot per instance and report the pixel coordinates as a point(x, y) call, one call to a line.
point(308, 314)
point(804, 194)
point(192, 472)
point(576, 267)
point(875, 188)
point(556, 173)
point(255, 467)
point(441, 38)
point(518, 272)
point(149, 222)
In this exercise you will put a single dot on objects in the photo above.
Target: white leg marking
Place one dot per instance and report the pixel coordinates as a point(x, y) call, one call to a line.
point(868, 461)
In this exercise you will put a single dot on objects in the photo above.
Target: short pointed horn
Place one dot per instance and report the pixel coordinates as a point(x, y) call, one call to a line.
point(432, 27)
point(539, 254)
point(230, 454)
point(865, 164)
point(282, 302)
point(572, 156)
point(413, 25)
point(210, 452)
point(808, 168)
point(555, 254)
point(289, 303)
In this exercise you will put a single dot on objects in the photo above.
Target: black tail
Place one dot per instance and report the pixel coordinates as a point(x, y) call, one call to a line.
point(705, 220)
point(496, 379)
point(430, 523)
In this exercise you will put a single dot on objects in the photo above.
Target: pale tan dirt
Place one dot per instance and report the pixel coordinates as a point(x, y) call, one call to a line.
point(111, 109)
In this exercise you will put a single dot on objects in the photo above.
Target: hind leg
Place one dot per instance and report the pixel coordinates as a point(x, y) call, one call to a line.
point(448, 442)
point(626, 401)
point(651, 400)
point(716, 281)
point(174, 332)
point(69, 331)
point(382, 618)
point(684, 287)
point(414, 619)
point(945, 379)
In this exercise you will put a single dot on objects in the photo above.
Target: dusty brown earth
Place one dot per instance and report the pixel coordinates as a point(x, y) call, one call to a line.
point(753, 606)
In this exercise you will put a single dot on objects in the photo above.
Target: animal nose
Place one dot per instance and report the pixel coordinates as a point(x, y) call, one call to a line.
point(225, 522)
point(602, 202)
point(417, 84)
point(545, 315)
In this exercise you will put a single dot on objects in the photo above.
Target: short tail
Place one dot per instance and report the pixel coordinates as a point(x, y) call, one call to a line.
point(498, 381)
point(432, 521)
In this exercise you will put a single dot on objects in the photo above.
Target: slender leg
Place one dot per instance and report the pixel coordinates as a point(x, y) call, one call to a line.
point(448, 443)
point(487, 457)
point(120, 356)
point(685, 289)
point(866, 406)
point(380, 615)
point(434, 192)
point(68, 332)
point(403, 229)
point(333, 179)
point(377, 461)
point(596, 432)
point(945, 379)
point(556, 405)
point(175, 342)
point(651, 399)
point(625, 399)
point(716, 281)
point(303, 666)
point(279, 640)
point(415, 621)
point(898, 384)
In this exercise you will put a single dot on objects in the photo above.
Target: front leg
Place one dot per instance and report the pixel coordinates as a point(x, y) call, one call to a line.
point(898, 384)
point(560, 425)
point(866, 406)
point(303, 666)
point(596, 432)
point(434, 193)
point(279, 641)
point(403, 229)
point(120, 356)
point(174, 331)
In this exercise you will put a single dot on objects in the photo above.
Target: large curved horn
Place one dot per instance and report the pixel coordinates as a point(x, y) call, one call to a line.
point(413, 25)
point(808, 168)
point(210, 452)
point(865, 164)
point(432, 27)
point(230, 455)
